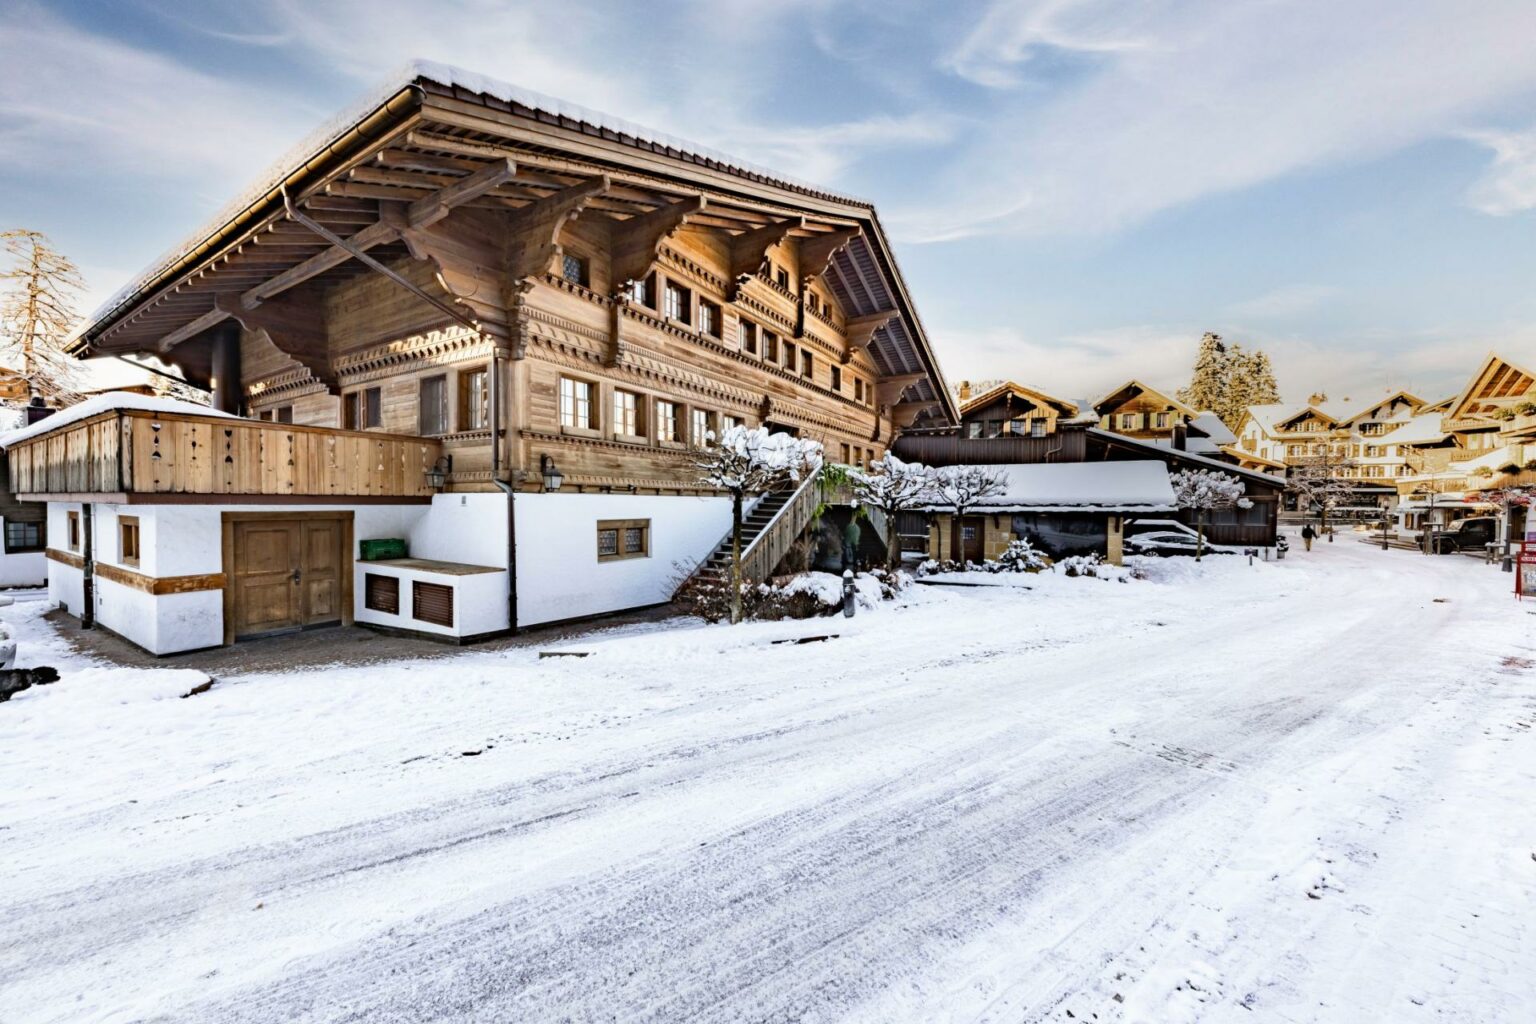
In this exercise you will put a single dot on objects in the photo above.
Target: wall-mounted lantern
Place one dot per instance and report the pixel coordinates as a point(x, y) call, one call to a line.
point(551, 474)
point(437, 476)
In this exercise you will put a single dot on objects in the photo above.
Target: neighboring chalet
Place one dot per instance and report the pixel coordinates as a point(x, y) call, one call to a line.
point(1105, 474)
point(488, 325)
point(1012, 410)
point(1482, 439)
point(1355, 440)
point(1136, 410)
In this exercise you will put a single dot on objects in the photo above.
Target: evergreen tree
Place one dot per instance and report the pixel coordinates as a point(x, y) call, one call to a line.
point(1264, 390)
point(37, 312)
point(1209, 380)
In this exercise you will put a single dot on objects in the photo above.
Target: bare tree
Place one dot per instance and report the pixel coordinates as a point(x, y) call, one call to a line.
point(892, 487)
point(959, 489)
point(1204, 490)
point(744, 461)
point(37, 312)
point(1321, 479)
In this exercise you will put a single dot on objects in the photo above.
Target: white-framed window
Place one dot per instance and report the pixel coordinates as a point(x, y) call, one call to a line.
point(626, 414)
point(698, 426)
point(1037, 427)
point(676, 303)
point(668, 425)
point(577, 410)
point(709, 318)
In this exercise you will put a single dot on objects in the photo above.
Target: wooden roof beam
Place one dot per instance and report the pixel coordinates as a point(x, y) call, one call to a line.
point(296, 327)
point(537, 226)
point(749, 249)
point(637, 241)
point(816, 253)
point(889, 389)
point(192, 329)
point(436, 206)
point(904, 414)
point(860, 330)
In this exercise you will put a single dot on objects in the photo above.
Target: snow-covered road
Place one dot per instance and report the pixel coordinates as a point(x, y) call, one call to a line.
point(1302, 789)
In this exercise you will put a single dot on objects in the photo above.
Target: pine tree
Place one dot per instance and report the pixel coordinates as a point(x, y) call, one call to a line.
point(37, 312)
point(1264, 390)
point(1209, 380)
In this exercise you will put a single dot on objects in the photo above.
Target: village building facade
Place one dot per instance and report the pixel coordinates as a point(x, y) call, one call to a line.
point(484, 323)
point(1012, 410)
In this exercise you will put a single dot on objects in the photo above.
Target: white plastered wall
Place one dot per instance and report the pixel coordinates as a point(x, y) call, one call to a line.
point(559, 576)
point(22, 568)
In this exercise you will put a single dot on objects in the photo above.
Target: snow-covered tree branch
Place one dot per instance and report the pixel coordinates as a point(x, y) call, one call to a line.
point(1204, 490)
point(37, 313)
point(893, 487)
point(959, 489)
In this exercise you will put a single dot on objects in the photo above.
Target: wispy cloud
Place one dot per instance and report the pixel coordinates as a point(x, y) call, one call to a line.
point(1509, 184)
point(82, 105)
point(1189, 100)
point(1286, 301)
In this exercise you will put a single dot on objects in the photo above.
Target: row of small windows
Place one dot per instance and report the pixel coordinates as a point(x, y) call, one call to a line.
point(1036, 426)
point(678, 306)
point(579, 411)
point(1135, 420)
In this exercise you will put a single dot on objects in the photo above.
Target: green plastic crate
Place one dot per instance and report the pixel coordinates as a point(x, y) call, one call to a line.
point(377, 550)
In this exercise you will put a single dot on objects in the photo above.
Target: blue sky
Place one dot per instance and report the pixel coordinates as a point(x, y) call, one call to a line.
point(1076, 189)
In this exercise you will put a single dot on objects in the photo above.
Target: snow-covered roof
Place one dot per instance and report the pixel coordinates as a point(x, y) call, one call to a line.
point(1084, 487)
point(109, 402)
point(1424, 429)
point(1495, 460)
point(1210, 424)
point(447, 76)
point(1202, 460)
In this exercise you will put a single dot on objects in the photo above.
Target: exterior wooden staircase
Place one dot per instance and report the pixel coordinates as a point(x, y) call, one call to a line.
point(768, 530)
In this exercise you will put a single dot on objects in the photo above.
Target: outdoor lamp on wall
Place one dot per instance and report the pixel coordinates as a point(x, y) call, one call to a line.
point(551, 473)
point(437, 476)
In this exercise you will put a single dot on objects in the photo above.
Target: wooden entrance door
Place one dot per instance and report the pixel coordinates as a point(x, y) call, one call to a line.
point(287, 573)
point(972, 538)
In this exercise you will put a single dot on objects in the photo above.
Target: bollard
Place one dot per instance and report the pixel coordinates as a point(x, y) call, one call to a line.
point(848, 594)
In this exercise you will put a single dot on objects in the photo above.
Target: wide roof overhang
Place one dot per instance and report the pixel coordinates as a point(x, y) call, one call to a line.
point(441, 141)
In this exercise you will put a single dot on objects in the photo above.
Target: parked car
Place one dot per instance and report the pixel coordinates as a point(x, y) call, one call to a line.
point(1471, 534)
point(1170, 542)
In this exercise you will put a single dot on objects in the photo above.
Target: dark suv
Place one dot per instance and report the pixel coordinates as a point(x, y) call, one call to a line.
point(1466, 535)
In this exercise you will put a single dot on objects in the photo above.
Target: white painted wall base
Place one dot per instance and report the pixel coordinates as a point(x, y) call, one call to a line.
point(559, 576)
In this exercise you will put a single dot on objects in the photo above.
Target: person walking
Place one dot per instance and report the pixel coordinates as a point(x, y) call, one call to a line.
point(1308, 535)
point(850, 542)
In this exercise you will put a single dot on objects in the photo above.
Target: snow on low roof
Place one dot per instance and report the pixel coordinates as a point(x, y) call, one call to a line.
point(109, 402)
point(1213, 428)
point(1084, 487)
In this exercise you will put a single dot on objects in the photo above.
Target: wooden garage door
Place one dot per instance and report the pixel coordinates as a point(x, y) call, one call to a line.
point(287, 574)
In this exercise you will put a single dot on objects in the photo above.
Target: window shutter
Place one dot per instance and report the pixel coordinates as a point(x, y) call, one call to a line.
point(381, 593)
point(432, 602)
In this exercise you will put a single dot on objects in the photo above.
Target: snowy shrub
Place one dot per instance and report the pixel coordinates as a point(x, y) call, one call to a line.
point(892, 582)
point(1092, 565)
point(934, 566)
point(1021, 556)
point(710, 599)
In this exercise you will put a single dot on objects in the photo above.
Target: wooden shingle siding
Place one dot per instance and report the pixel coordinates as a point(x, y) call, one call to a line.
point(134, 452)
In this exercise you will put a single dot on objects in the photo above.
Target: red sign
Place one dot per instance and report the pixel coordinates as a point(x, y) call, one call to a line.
point(1525, 570)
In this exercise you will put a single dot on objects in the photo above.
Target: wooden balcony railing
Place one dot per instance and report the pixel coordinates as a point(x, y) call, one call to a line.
point(136, 452)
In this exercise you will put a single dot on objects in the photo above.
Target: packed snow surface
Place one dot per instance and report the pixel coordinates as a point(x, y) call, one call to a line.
point(1288, 792)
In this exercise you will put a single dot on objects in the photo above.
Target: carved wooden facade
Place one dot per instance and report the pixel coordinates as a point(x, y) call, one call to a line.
point(465, 255)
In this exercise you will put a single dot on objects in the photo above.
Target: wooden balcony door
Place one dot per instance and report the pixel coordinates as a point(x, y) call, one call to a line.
point(286, 572)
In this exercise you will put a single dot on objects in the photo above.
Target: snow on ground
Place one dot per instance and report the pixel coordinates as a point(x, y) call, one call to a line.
point(1301, 788)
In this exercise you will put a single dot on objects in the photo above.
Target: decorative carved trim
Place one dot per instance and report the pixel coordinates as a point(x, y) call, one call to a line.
point(674, 260)
point(761, 310)
point(392, 356)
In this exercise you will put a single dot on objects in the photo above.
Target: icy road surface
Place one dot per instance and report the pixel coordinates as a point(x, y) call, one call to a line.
point(1294, 792)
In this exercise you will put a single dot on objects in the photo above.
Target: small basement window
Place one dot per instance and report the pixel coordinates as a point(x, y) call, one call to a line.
point(623, 538)
point(432, 602)
point(381, 593)
point(128, 540)
point(23, 537)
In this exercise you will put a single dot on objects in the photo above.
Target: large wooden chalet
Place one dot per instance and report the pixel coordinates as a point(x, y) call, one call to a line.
point(486, 323)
